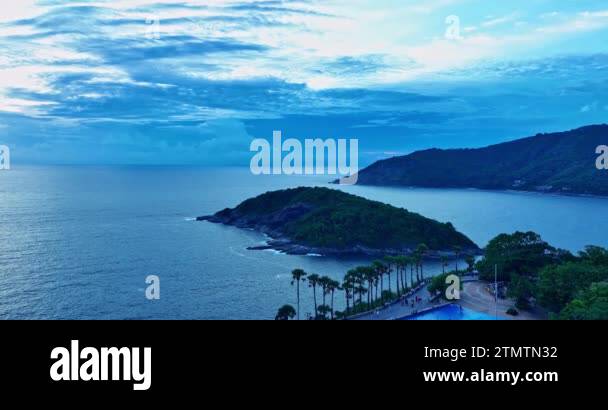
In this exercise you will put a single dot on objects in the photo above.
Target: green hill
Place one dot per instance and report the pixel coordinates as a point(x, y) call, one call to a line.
point(331, 221)
point(560, 162)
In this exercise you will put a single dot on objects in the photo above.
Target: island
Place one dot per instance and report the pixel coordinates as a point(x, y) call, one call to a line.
point(317, 220)
point(562, 163)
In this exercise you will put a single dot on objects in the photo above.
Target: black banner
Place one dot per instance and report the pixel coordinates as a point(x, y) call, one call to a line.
point(206, 357)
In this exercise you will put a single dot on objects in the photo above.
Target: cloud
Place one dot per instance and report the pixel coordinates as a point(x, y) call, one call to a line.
point(499, 20)
point(76, 76)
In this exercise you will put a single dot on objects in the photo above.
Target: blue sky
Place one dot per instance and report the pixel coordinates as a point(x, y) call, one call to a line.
point(177, 82)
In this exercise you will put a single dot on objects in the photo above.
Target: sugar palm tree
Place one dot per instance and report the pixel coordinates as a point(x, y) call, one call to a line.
point(323, 311)
point(457, 252)
point(390, 261)
point(360, 279)
point(422, 250)
point(285, 313)
point(471, 263)
point(313, 282)
point(412, 260)
point(298, 275)
point(332, 287)
point(379, 268)
point(402, 262)
point(348, 285)
point(417, 260)
point(406, 263)
point(444, 263)
point(370, 276)
point(398, 267)
point(324, 283)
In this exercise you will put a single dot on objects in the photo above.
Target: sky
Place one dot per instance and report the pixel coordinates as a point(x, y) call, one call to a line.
point(194, 82)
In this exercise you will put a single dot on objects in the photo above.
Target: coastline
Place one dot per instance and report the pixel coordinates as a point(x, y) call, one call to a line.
point(278, 242)
point(495, 190)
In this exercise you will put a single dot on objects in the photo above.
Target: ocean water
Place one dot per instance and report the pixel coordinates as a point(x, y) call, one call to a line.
point(79, 242)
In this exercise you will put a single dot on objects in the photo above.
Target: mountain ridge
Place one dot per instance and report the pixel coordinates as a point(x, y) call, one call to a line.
point(562, 162)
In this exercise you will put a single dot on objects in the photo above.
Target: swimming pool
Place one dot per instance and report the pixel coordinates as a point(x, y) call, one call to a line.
point(450, 312)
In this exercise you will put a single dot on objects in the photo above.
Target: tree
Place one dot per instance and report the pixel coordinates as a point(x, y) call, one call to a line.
point(457, 252)
point(325, 282)
point(470, 263)
point(595, 255)
point(421, 251)
point(313, 282)
point(444, 263)
point(332, 286)
point(370, 275)
point(590, 304)
point(348, 285)
point(391, 262)
point(521, 289)
point(558, 285)
point(380, 269)
point(522, 253)
point(298, 275)
point(401, 262)
point(324, 310)
point(413, 261)
point(286, 312)
point(361, 277)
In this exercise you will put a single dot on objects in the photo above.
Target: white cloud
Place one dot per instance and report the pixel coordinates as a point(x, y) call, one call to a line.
point(499, 20)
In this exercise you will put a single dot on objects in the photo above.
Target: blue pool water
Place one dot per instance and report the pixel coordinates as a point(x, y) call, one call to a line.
point(451, 312)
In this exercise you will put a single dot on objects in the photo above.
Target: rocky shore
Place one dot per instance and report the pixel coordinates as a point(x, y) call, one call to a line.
point(271, 225)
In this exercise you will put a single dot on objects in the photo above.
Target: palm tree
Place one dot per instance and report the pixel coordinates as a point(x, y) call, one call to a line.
point(332, 287)
point(285, 313)
point(457, 251)
point(360, 282)
point(413, 261)
point(471, 263)
point(323, 311)
point(324, 282)
point(402, 262)
point(444, 263)
point(298, 275)
point(379, 268)
point(370, 275)
point(313, 281)
point(422, 250)
point(417, 261)
point(348, 285)
point(390, 262)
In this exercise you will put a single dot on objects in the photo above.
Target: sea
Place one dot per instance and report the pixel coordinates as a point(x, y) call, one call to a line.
point(78, 242)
